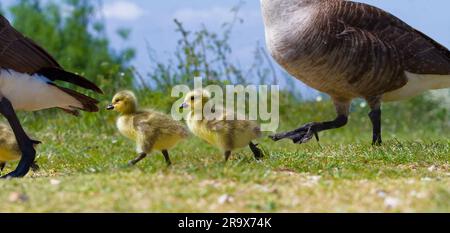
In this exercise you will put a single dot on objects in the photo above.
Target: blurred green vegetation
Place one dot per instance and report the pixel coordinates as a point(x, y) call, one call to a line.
point(207, 54)
point(69, 30)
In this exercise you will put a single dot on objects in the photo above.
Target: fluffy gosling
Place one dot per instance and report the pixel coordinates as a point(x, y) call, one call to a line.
point(151, 130)
point(227, 135)
point(9, 149)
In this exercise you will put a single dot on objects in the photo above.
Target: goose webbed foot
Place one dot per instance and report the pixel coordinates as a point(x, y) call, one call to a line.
point(259, 155)
point(377, 141)
point(35, 167)
point(137, 160)
point(26, 145)
point(24, 166)
point(299, 136)
point(311, 130)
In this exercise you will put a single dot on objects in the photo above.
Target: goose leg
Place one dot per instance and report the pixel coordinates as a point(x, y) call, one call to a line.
point(375, 118)
point(256, 151)
point(138, 159)
point(308, 131)
point(227, 155)
point(26, 145)
point(167, 157)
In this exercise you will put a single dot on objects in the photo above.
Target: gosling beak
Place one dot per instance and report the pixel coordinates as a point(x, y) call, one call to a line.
point(110, 107)
point(184, 105)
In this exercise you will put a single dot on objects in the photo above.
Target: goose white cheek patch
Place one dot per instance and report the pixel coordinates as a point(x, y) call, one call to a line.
point(32, 92)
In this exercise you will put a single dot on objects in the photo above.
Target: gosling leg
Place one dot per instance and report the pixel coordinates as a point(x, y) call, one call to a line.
point(167, 157)
point(227, 156)
point(138, 159)
point(2, 166)
point(256, 151)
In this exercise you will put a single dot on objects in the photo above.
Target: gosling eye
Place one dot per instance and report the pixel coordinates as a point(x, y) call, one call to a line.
point(117, 101)
point(192, 98)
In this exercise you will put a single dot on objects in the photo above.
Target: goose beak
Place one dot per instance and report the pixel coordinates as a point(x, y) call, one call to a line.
point(184, 105)
point(110, 107)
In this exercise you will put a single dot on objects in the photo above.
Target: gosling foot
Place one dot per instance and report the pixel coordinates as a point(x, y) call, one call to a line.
point(137, 160)
point(299, 136)
point(227, 155)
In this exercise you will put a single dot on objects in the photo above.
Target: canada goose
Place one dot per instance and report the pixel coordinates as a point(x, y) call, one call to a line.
point(151, 130)
point(27, 78)
point(9, 149)
point(228, 135)
point(352, 50)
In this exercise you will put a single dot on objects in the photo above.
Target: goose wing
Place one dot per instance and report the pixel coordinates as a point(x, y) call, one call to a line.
point(417, 52)
point(21, 54)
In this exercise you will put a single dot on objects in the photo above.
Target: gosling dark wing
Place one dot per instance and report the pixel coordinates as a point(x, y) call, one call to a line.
point(418, 53)
point(23, 55)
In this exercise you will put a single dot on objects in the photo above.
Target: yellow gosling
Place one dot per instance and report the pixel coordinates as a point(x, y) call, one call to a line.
point(151, 130)
point(9, 149)
point(227, 135)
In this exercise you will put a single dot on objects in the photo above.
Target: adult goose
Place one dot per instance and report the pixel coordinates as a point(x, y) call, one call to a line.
point(352, 50)
point(27, 75)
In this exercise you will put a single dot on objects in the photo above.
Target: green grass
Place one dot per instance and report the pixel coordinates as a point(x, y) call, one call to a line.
point(83, 169)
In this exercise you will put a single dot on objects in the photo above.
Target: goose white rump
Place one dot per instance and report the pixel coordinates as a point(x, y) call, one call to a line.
point(33, 92)
point(418, 84)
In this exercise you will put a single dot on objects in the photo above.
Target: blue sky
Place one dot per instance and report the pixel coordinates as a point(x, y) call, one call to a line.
point(152, 21)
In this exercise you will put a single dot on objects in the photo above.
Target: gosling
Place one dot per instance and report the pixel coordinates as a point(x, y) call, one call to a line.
point(9, 149)
point(227, 135)
point(151, 130)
